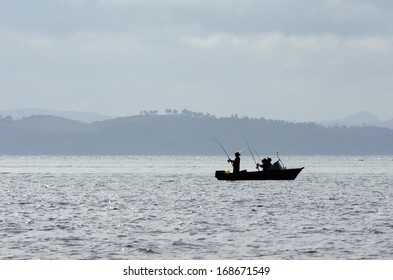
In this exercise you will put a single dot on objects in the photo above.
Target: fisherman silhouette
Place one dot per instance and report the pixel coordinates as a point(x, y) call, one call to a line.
point(235, 163)
point(266, 163)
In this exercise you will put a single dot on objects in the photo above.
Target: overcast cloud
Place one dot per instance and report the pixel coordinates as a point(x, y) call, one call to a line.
point(294, 60)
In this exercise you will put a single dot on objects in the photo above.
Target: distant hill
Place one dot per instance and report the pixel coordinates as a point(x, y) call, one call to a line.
point(362, 118)
point(72, 115)
point(185, 134)
point(388, 124)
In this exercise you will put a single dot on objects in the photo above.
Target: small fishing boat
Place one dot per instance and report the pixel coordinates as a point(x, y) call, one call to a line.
point(275, 171)
point(282, 174)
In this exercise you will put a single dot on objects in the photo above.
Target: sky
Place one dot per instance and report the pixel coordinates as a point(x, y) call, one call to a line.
point(303, 60)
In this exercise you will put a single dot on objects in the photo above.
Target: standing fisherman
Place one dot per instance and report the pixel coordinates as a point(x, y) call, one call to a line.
point(235, 163)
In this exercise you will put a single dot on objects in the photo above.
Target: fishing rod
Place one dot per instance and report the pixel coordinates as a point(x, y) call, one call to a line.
point(256, 164)
point(218, 142)
point(280, 161)
point(255, 151)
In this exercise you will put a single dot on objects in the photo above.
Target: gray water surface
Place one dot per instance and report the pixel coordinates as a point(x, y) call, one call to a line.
point(173, 208)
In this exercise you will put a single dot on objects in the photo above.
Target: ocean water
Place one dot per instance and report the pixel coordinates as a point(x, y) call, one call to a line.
point(114, 207)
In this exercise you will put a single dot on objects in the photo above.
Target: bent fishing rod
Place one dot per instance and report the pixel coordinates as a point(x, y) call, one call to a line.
point(218, 142)
point(255, 151)
point(256, 164)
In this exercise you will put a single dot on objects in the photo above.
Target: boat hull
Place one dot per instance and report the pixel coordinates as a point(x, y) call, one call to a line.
point(284, 174)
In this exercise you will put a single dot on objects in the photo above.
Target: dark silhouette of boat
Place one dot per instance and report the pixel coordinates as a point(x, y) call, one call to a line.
point(275, 171)
point(282, 174)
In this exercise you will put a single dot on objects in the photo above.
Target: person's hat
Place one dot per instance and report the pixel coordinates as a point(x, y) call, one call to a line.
point(237, 154)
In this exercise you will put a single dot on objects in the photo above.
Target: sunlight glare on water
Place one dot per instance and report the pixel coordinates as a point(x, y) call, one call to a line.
point(114, 207)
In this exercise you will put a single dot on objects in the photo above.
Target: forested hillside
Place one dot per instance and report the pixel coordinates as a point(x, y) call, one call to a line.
point(185, 133)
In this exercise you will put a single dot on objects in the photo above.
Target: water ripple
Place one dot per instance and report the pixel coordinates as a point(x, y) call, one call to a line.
point(123, 208)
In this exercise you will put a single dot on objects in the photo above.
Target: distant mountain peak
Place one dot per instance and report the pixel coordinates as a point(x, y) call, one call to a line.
point(358, 119)
point(362, 117)
point(87, 117)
